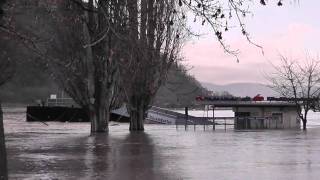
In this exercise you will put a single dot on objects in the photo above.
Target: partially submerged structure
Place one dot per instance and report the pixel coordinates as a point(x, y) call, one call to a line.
point(267, 115)
point(248, 114)
point(261, 114)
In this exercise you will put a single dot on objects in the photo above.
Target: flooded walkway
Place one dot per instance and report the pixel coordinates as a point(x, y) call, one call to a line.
point(67, 151)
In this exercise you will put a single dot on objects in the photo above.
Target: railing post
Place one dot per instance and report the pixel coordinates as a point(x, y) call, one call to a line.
point(194, 125)
point(186, 117)
point(177, 122)
point(246, 123)
point(213, 119)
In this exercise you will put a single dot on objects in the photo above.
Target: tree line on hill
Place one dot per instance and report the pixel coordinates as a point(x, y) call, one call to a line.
point(31, 83)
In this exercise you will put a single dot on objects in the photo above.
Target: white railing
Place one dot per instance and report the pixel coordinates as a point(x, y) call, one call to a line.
point(61, 102)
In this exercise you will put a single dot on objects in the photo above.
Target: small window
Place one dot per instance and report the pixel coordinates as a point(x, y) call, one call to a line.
point(242, 114)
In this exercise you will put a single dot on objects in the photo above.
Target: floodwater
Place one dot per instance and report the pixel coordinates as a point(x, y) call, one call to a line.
point(68, 151)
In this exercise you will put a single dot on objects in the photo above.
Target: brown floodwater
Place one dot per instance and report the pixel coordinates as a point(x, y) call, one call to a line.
point(68, 151)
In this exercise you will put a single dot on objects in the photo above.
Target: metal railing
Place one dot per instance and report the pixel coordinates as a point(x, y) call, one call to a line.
point(206, 122)
point(61, 102)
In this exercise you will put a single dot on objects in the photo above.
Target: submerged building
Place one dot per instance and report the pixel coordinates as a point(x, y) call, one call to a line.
point(261, 114)
point(266, 115)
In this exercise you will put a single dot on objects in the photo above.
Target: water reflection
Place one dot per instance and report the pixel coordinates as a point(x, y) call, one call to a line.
point(134, 158)
point(129, 156)
point(98, 156)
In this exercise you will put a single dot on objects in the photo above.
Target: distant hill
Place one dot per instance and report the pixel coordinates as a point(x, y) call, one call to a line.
point(241, 89)
point(179, 90)
point(31, 82)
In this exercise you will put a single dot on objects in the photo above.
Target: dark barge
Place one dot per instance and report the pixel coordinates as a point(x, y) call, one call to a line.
point(64, 114)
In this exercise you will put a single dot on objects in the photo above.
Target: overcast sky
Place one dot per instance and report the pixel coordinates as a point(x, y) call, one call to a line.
point(292, 30)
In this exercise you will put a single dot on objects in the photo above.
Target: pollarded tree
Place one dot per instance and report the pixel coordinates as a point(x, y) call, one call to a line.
point(88, 51)
point(92, 68)
point(156, 31)
point(77, 42)
point(299, 82)
point(7, 70)
point(153, 45)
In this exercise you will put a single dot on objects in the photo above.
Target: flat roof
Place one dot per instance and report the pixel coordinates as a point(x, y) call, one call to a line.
point(247, 103)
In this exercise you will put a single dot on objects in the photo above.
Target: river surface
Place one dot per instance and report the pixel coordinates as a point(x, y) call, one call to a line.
point(68, 151)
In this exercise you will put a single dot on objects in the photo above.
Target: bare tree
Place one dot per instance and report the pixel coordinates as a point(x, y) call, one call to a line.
point(153, 44)
point(3, 154)
point(90, 38)
point(89, 72)
point(300, 83)
point(77, 42)
point(6, 73)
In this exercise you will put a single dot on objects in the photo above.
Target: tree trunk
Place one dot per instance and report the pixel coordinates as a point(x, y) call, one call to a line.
point(304, 124)
point(99, 118)
point(3, 154)
point(137, 115)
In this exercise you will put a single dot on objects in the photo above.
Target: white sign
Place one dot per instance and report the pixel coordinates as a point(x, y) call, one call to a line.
point(53, 96)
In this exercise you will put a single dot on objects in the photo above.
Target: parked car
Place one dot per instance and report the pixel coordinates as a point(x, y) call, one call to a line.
point(258, 97)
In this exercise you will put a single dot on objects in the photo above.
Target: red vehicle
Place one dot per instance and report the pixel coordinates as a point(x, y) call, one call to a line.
point(199, 98)
point(258, 97)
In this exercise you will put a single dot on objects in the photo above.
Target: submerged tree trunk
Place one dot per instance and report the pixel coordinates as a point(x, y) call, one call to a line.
point(304, 124)
point(99, 116)
point(137, 114)
point(3, 154)
point(304, 119)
